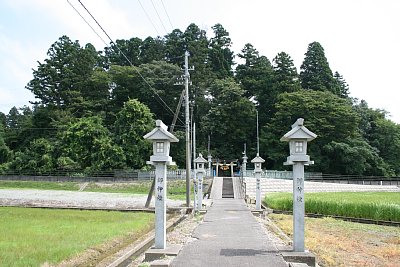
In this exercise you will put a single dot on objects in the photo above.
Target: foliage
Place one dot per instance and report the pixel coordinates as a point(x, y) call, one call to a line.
point(223, 118)
point(132, 123)
point(49, 236)
point(89, 143)
point(38, 157)
point(5, 152)
point(84, 109)
point(315, 72)
point(61, 81)
point(330, 117)
point(220, 54)
point(368, 205)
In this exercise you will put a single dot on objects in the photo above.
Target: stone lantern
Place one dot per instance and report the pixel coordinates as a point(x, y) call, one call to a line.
point(200, 169)
point(298, 138)
point(257, 173)
point(161, 139)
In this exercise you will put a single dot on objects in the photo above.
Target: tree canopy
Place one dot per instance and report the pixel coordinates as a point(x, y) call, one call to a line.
point(92, 107)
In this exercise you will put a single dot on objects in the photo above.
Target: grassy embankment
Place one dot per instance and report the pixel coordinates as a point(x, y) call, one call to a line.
point(32, 237)
point(176, 188)
point(341, 243)
point(368, 205)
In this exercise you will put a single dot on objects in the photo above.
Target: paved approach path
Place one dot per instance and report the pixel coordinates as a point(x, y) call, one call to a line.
point(229, 236)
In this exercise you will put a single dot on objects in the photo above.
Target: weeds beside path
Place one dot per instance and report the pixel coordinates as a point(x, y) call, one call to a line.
point(341, 243)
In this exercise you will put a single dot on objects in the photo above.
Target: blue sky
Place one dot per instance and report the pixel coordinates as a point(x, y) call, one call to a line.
point(361, 38)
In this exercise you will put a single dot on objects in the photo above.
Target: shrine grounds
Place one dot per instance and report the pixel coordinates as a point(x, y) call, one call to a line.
point(47, 236)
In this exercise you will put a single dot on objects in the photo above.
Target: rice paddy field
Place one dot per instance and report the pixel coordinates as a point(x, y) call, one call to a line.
point(40, 237)
point(383, 206)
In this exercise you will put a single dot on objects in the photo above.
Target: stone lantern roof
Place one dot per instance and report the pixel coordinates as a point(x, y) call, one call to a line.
point(258, 159)
point(200, 159)
point(161, 133)
point(299, 131)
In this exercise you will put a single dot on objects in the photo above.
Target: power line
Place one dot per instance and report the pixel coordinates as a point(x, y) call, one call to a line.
point(131, 64)
point(87, 22)
point(165, 10)
point(148, 17)
point(159, 18)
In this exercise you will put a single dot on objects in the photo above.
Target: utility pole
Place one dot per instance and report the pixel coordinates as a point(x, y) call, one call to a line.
point(187, 128)
point(195, 180)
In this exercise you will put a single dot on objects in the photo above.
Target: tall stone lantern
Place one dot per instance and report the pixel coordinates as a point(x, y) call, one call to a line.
point(161, 139)
point(257, 173)
point(298, 138)
point(200, 168)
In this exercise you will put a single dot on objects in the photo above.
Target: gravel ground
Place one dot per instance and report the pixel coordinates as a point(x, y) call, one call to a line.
point(181, 234)
point(58, 198)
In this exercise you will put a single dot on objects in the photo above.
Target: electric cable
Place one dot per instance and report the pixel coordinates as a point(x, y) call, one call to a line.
point(160, 100)
point(148, 17)
point(98, 35)
point(159, 18)
point(165, 10)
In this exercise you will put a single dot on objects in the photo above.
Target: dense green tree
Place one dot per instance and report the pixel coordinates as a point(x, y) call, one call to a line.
point(231, 119)
point(5, 152)
point(286, 78)
point(330, 117)
point(220, 53)
point(3, 119)
point(342, 85)
point(18, 131)
point(88, 143)
point(315, 73)
point(132, 123)
point(130, 48)
point(152, 49)
point(36, 158)
point(380, 133)
point(354, 156)
point(175, 47)
point(196, 43)
point(157, 90)
point(62, 80)
point(255, 74)
point(163, 95)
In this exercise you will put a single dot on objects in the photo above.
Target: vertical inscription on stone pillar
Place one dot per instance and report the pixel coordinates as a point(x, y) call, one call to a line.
point(160, 188)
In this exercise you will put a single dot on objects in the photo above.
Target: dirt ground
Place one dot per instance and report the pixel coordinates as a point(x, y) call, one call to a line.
point(340, 243)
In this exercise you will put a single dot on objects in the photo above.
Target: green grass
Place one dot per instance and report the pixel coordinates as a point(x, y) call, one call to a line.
point(176, 188)
point(70, 186)
point(368, 205)
point(31, 237)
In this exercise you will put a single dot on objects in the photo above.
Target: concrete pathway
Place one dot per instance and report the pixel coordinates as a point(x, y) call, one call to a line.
point(229, 236)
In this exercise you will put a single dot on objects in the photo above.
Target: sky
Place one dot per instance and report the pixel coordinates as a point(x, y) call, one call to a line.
point(361, 38)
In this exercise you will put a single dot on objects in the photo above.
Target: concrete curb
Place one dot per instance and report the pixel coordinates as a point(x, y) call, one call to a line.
point(144, 244)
